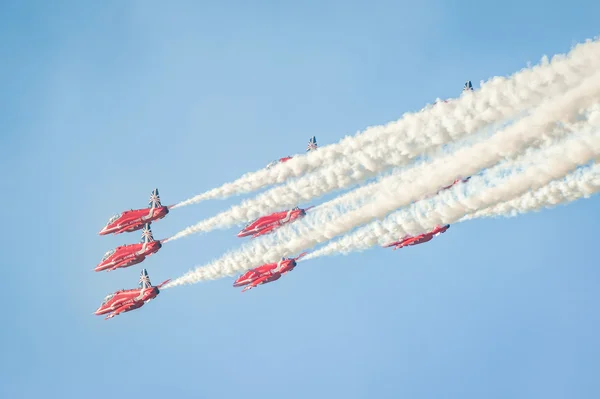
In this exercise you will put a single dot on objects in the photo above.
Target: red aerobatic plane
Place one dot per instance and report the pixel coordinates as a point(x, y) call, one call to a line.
point(126, 300)
point(281, 160)
point(266, 273)
point(266, 224)
point(133, 220)
point(456, 182)
point(131, 254)
point(419, 239)
point(312, 145)
point(467, 87)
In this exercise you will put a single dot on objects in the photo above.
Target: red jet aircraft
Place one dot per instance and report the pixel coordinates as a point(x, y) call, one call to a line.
point(419, 239)
point(131, 254)
point(312, 145)
point(281, 160)
point(126, 300)
point(467, 87)
point(455, 182)
point(266, 224)
point(133, 220)
point(266, 273)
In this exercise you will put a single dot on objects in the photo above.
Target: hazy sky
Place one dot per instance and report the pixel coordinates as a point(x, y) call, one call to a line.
point(104, 101)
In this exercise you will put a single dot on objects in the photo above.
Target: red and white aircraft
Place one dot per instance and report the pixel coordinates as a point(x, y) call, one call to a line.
point(126, 300)
point(131, 254)
point(281, 160)
point(266, 273)
point(447, 187)
point(133, 220)
point(467, 87)
point(266, 224)
point(419, 239)
point(312, 145)
point(455, 182)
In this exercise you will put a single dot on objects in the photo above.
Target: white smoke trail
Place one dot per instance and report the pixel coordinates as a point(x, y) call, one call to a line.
point(356, 158)
point(368, 195)
point(513, 140)
point(378, 157)
point(360, 196)
point(553, 163)
point(582, 183)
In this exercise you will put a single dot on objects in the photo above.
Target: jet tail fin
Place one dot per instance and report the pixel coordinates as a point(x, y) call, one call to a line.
point(312, 144)
point(147, 234)
point(145, 279)
point(154, 199)
point(468, 86)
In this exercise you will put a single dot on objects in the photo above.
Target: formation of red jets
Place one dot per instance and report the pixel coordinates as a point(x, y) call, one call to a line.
point(124, 256)
point(131, 254)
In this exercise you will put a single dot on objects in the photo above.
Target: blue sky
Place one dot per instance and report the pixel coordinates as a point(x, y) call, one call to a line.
point(103, 101)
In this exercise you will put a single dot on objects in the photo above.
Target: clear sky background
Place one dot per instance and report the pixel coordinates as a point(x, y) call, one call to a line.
point(101, 101)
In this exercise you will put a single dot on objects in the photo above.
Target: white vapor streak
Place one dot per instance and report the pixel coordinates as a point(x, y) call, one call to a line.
point(552, 164)
point(563, 109)
point(362, 195)
point(356, 158)
point(582, 183)
point(513, 140)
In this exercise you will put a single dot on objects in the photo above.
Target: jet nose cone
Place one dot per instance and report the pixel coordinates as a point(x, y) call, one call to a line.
point(240, 234)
